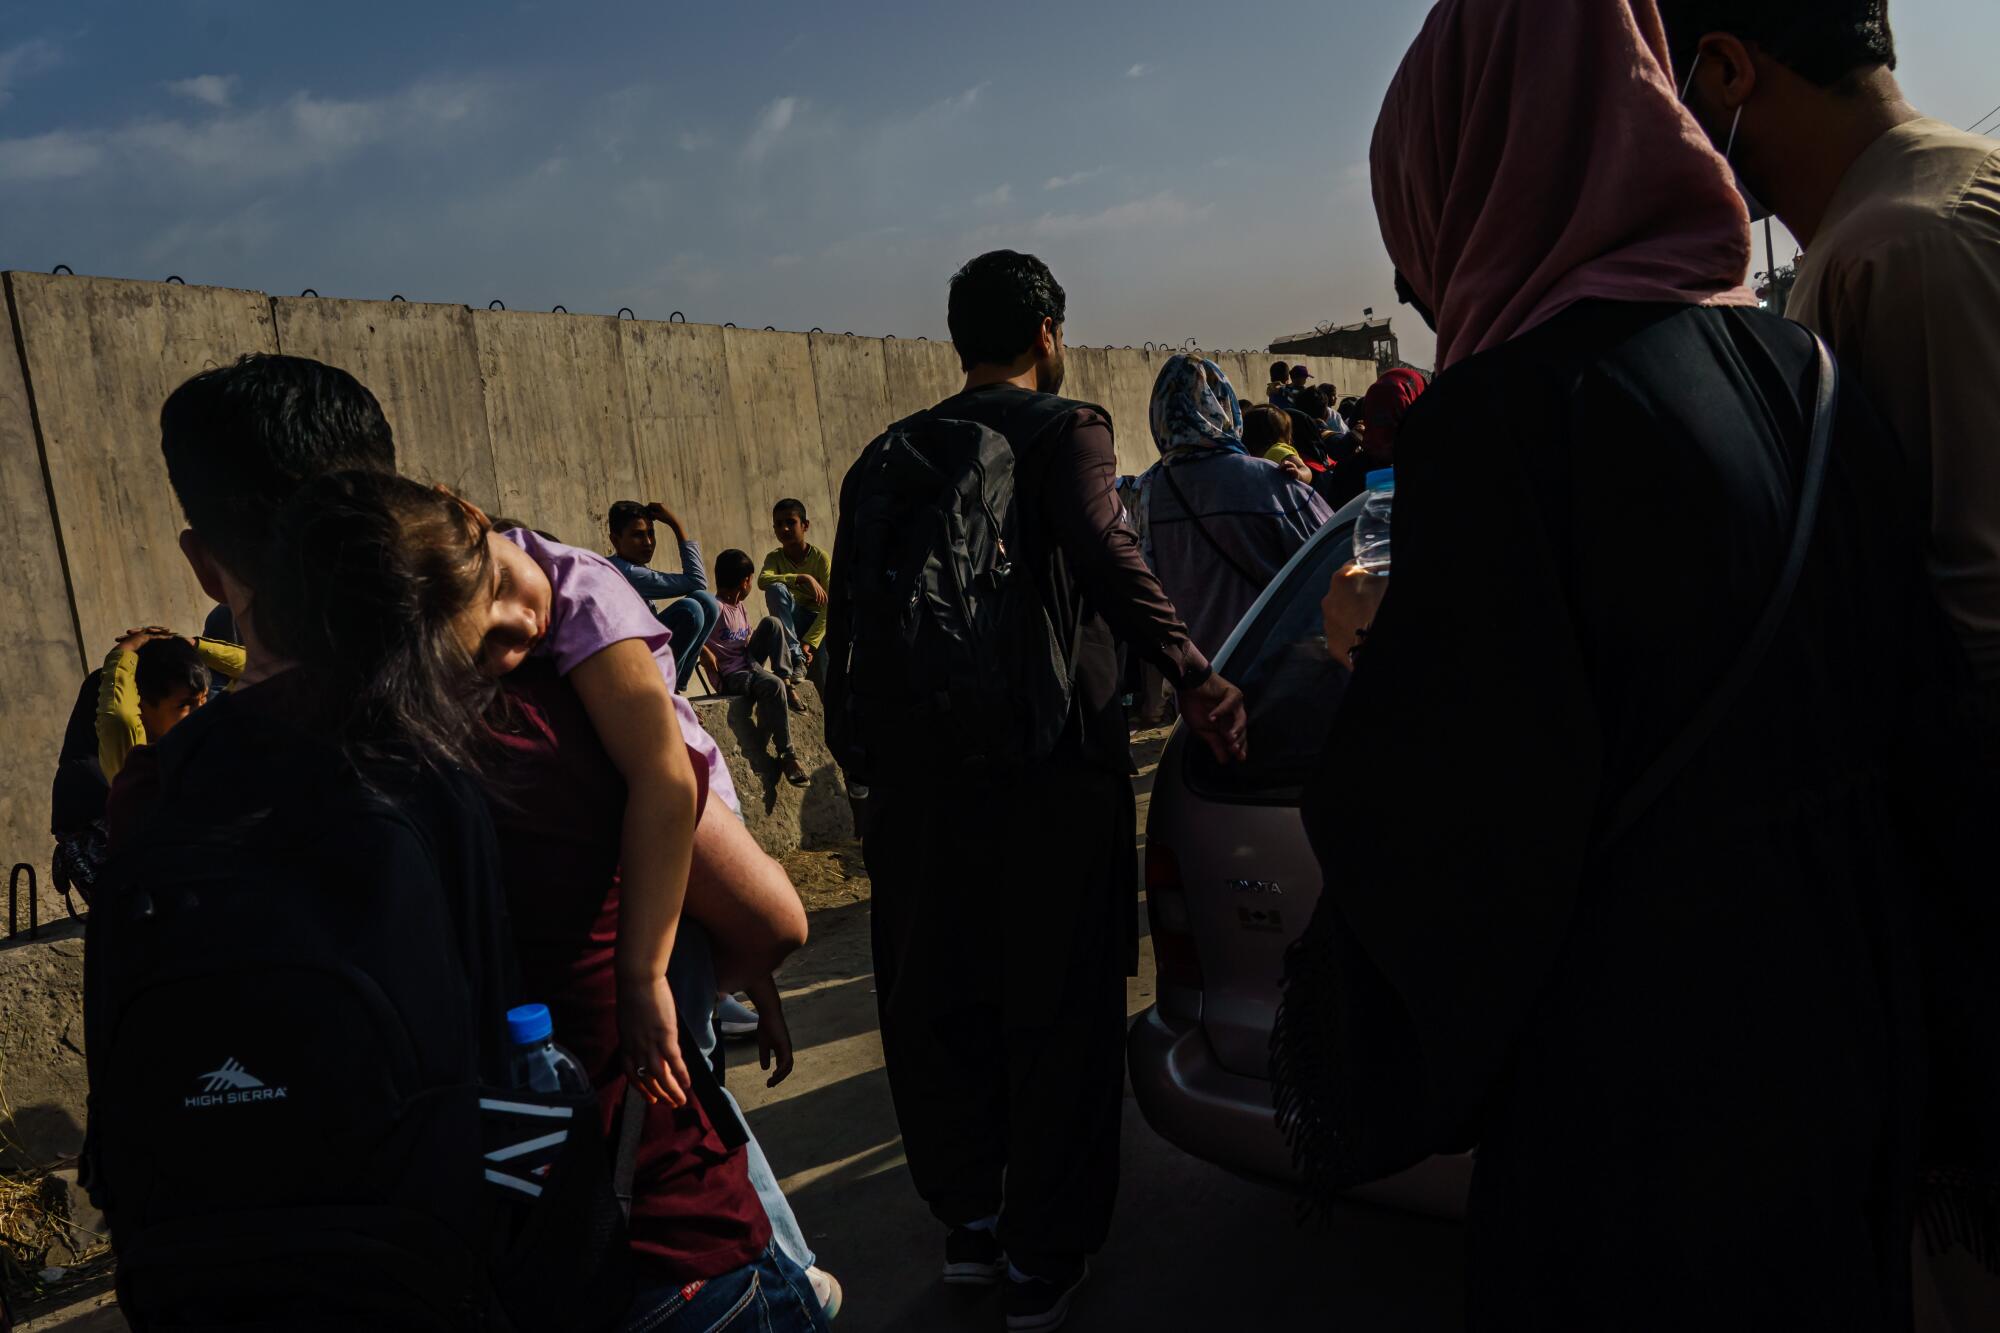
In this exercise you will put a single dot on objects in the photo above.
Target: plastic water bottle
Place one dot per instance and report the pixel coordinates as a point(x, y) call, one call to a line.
point(539, 1065)
point(1371, 530)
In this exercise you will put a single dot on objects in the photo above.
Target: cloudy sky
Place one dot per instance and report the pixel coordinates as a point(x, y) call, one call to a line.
point(1190, 170)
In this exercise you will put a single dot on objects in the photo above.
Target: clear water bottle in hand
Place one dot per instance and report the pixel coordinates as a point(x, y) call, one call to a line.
point(1371, 529)
point(539, 1065)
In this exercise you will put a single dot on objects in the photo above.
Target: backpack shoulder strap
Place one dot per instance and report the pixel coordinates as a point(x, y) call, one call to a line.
point(1653, 783)
point(625, 1166)
point(1025, 419)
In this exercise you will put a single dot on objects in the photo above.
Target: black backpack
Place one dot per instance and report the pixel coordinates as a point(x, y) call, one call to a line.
point(941, 646)
point(288, 1127)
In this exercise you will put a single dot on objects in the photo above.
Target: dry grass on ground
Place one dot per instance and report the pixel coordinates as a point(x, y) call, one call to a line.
point(828, 876)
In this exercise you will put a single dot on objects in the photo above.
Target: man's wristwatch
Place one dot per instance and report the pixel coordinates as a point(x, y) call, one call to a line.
point(1195, 679)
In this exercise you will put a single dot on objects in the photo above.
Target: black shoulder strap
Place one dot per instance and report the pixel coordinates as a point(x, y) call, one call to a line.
point(1167, 471)
point(631, 1125)
point(723, 1118)
point(1653, 783)
point(1023, 421)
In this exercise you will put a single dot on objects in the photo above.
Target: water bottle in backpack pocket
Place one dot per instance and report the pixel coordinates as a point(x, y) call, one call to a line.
point(287, 1125)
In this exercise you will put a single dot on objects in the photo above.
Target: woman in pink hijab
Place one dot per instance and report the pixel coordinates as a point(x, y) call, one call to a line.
point(1637, 935)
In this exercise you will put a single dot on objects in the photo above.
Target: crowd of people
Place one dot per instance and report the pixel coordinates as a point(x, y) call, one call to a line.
point(1668, 891)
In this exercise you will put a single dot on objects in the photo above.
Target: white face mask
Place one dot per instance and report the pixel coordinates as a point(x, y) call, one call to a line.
point(1750, 201)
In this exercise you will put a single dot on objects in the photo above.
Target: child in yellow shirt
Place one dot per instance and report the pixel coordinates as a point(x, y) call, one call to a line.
point(152, 680)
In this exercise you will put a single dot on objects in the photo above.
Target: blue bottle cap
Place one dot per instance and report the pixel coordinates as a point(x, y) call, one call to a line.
point(1381, 477)
point(529, 1024)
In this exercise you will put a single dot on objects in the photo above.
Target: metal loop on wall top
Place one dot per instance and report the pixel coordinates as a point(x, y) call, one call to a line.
point(728, 326)
point(309, 292)
point(496, 304)
point(177, 278)
point(625, 312)
point(676, 317)
point(14, 897)
point(62, 268)
point(770, 328)
point(560, 310)
point(815, 329)
point(398, 296)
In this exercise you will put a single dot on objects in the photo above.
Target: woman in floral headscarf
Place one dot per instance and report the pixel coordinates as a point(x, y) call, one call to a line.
point(1216, 523)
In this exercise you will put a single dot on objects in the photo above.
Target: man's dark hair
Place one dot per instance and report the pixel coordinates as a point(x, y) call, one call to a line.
point(1350, 409)
point(1314, 402)
point(168, 666)
point(1279, 371)
point(998, 303)
point(1822, 41)
point(240, 439)
point(789, 506)
point(1265, 426)
point(624, 514)
point(732, 567)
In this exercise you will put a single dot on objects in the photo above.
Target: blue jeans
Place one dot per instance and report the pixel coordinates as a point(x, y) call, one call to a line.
point(691, 620)
point(797, 620)
point(771, 1295)
point(691, 975)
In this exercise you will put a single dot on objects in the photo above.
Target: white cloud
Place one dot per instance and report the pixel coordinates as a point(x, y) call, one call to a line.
point(772, 123)
point(696, 141)
point(1163, 209)
point(998, 197)
point(965, 100)
point(282, 139)
point(688, 271)
point(1074, 178)
point(24, 61)
point(1138, 71)
point(45, 157)
point(208, 89)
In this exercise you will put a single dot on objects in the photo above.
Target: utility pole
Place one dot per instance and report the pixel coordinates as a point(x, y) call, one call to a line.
point(1771, 266)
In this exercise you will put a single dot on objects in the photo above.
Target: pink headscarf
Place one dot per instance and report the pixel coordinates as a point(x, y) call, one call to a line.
point(1532, 154)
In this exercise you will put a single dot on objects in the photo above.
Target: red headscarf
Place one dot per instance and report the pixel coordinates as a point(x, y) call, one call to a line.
point(1385, 404)
point(1532, 154)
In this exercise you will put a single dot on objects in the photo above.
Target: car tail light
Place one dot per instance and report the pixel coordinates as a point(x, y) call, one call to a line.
point(1175, 962)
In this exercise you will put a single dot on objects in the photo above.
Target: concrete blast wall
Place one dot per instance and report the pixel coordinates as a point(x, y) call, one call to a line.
point(544, 418)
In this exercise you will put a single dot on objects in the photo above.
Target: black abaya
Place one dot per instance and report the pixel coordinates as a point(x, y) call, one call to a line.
point(1690, 1060)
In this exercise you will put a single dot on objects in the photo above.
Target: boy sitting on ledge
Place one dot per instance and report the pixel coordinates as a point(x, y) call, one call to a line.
point(735, 653)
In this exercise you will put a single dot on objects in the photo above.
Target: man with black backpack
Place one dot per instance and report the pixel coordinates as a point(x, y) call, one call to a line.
point(981, 571)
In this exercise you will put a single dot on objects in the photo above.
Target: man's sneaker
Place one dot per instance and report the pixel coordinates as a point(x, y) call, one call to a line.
point(1036, 1304)
point(973, 1258)
point(827, 1287)
point(735, 1018)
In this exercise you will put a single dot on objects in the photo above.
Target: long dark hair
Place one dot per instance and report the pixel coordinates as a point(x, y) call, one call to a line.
point(366, 575)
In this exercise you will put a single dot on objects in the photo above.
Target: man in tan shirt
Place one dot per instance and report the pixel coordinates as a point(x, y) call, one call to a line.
point(1900, 218)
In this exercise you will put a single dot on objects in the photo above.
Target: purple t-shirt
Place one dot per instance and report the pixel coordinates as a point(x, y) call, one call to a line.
point(592, 607)
point(730, 640)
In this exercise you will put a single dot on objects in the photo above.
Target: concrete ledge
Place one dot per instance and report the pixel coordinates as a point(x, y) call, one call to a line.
point(782, 818)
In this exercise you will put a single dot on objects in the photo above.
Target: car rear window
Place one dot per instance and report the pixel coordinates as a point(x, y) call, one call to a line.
point(1290, 684)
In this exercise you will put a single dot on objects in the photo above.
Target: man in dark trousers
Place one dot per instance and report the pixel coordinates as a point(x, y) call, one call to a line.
point(1005, 907)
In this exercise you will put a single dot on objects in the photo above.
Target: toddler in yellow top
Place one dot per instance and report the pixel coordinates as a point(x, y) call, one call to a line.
point(152, 680)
